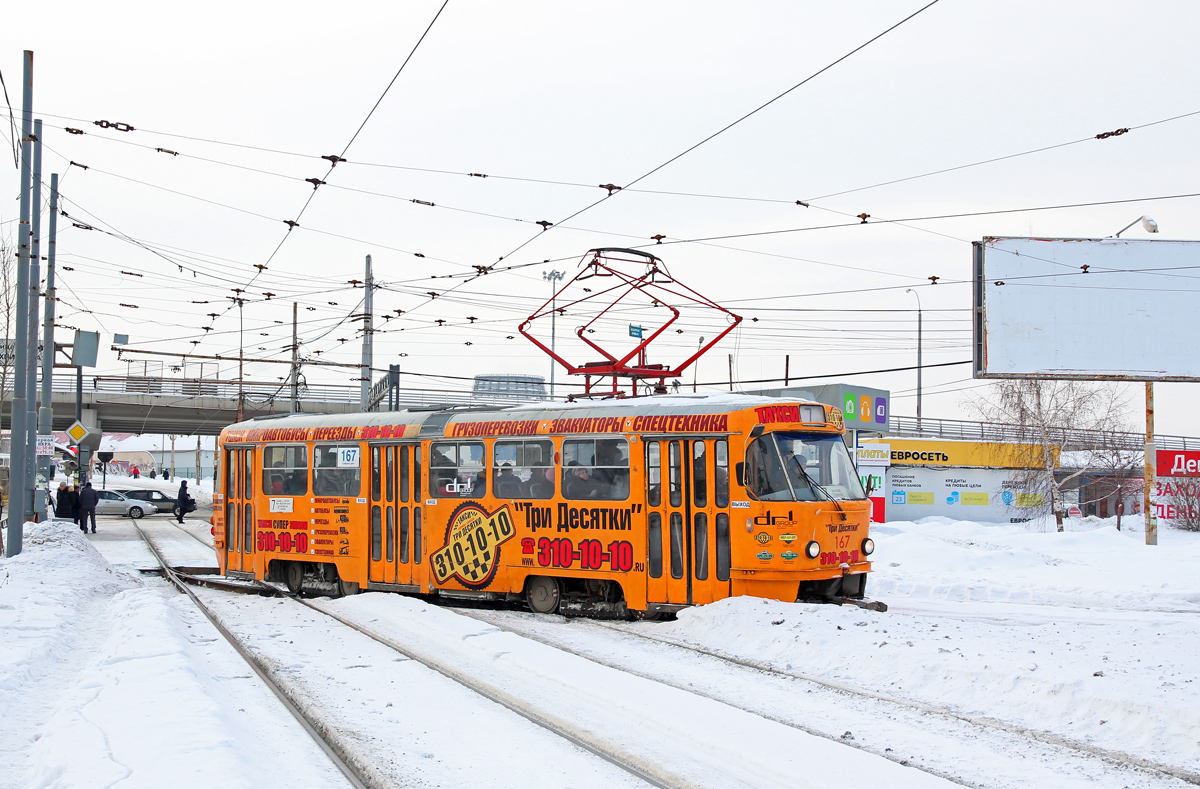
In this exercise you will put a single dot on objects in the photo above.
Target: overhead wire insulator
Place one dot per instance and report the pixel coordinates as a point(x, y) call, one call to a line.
point(117, 125)
point(333, 159)
point(167, 150)
point(315, 182)
point(69, 130)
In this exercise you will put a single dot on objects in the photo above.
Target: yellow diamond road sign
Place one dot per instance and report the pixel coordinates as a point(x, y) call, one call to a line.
point(77, 432)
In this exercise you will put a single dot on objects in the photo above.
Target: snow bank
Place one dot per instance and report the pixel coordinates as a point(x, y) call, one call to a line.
point(104, 681)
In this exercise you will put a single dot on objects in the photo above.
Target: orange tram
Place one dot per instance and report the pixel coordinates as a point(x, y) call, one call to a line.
point(609, 509)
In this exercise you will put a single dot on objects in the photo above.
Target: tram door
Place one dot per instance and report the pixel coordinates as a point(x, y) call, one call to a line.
point(239, 509)
point(688, 520)
point(395, 513)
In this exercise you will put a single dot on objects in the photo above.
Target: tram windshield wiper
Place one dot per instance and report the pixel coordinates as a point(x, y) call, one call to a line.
point(812, 483)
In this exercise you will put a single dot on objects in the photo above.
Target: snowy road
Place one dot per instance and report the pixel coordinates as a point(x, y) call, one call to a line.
point(1026, 659)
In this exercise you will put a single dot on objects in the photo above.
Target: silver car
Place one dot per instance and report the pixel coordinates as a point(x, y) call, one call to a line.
point(113, 503)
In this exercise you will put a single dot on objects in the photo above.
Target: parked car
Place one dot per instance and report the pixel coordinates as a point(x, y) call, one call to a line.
point(113, 503)
point(161, 502)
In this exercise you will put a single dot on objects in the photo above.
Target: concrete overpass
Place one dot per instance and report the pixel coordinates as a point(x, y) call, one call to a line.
point(182, 406)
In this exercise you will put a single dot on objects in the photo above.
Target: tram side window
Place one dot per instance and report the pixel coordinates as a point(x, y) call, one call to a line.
point(653, 474)
point(721, 483)
point(523, 469)
point(337, 470)
point(596, 468)
point(458, 469)
point(285, 471)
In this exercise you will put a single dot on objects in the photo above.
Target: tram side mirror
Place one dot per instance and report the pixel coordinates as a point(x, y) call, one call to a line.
point(870, 485)
point(740, 471)
point(756, 431)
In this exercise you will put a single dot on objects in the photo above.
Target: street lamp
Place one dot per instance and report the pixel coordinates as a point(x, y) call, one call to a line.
point(696, 365)
point(919, 327)
point(552, 277)
point(1148, 223)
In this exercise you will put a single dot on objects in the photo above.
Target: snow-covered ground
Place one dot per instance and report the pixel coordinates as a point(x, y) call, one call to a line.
point(110, 680)
point(1012, 655)
point(1089, 634)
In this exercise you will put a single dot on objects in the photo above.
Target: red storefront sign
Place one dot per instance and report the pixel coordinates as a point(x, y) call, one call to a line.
point(1178, 463)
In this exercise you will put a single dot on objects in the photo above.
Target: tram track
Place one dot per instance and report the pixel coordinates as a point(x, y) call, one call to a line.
point(1115, 759)
point(651, 773)
point(328, 745)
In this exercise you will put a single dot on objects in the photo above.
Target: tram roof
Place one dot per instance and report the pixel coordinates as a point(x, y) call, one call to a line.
point(671, 404)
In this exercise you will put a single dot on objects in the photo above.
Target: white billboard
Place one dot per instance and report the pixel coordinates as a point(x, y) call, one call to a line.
point(1100, 309)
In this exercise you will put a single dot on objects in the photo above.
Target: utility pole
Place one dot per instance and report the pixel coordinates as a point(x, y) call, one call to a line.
point(552, 277)
point(368, 336)
point(1151, 458)
point(174, 473)
point(197, 460)
point(920, 346)
point(46, 412)
point(241, 379)
point(696, 366)
point(295, 377)
point(37, 502)
point(20, 490)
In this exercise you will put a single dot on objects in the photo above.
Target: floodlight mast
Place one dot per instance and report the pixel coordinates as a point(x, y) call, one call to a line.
point(654, 283)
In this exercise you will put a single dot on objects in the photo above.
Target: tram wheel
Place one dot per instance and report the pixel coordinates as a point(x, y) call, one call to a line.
point(293, 576)
point(542, 594)
point(347, 588)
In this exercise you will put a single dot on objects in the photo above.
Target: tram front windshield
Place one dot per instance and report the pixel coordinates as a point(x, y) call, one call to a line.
point(801, 467)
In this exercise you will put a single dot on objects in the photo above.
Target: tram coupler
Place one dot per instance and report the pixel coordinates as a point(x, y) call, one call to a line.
point(870, 605)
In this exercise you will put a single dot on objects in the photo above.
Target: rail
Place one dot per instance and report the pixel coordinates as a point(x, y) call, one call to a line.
point(965, 430)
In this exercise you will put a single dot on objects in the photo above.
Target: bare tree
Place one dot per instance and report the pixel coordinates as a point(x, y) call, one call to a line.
point(8, 307)
point(1069, 421)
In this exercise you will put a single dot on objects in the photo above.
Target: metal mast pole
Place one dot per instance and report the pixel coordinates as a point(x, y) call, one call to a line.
point(241, 379)
point(46, 412)
point(35, 282)
point(197, 459)
point(365, 383)
point(920, 347)
point(295, 360)
point(20, 492)
point(552, 277)
point(1151, 459)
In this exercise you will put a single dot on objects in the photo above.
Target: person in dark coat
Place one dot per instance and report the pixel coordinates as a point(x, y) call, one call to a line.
point(62, 501)
point(88, 499)
point(75, 503)
point(183, 500)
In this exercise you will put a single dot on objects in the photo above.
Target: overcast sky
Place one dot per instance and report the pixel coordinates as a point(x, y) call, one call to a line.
point(250, 95)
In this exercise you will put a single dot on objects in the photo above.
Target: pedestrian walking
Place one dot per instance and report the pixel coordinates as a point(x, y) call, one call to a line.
point(88, 499)
point(135, 471)
point(166, 475)
point(182, 501)
point(62, 501)
point(75, 503)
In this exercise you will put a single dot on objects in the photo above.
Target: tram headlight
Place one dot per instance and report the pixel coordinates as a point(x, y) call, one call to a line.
point(812, 550)
point(868, 546)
